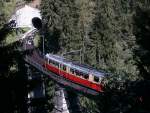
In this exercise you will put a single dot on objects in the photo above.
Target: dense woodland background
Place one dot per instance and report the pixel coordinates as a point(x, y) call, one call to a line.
point(112, 35)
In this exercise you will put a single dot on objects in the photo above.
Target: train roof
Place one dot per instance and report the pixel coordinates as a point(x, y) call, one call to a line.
point(81, 67)
point(58, 59)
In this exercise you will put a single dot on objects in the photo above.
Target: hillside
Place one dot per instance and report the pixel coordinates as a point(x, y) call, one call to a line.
point(113, 36)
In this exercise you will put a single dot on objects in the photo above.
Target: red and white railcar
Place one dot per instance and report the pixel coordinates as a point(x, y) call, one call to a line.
point(80, 77)
point(83, 78)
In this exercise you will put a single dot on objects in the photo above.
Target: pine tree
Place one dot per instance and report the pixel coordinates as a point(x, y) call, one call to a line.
point(112, 37)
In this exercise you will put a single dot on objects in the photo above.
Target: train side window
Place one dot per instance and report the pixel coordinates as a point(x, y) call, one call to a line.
point(56, 64)
point(61, 67)
point(86, 76)
point(96, 79)
point(50, 62)
point(72, 71)
point(77, 73)
point(53, 63)
point(64, 67)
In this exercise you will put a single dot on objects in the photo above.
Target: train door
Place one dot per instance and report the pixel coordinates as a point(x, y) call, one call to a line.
point(60, 69)
point(90, 77)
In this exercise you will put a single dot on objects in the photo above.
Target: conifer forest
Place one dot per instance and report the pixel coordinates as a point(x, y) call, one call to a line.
point(109, 35)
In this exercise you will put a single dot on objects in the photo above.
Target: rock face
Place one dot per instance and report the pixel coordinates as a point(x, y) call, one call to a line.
point(24, 16)
point(35, 3)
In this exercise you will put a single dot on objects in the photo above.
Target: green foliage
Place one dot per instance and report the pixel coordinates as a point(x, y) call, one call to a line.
point(12, 70)
point(7, 8)
point(12, 76)
point(113, 36)
point(142, 34)
point(2, 15)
